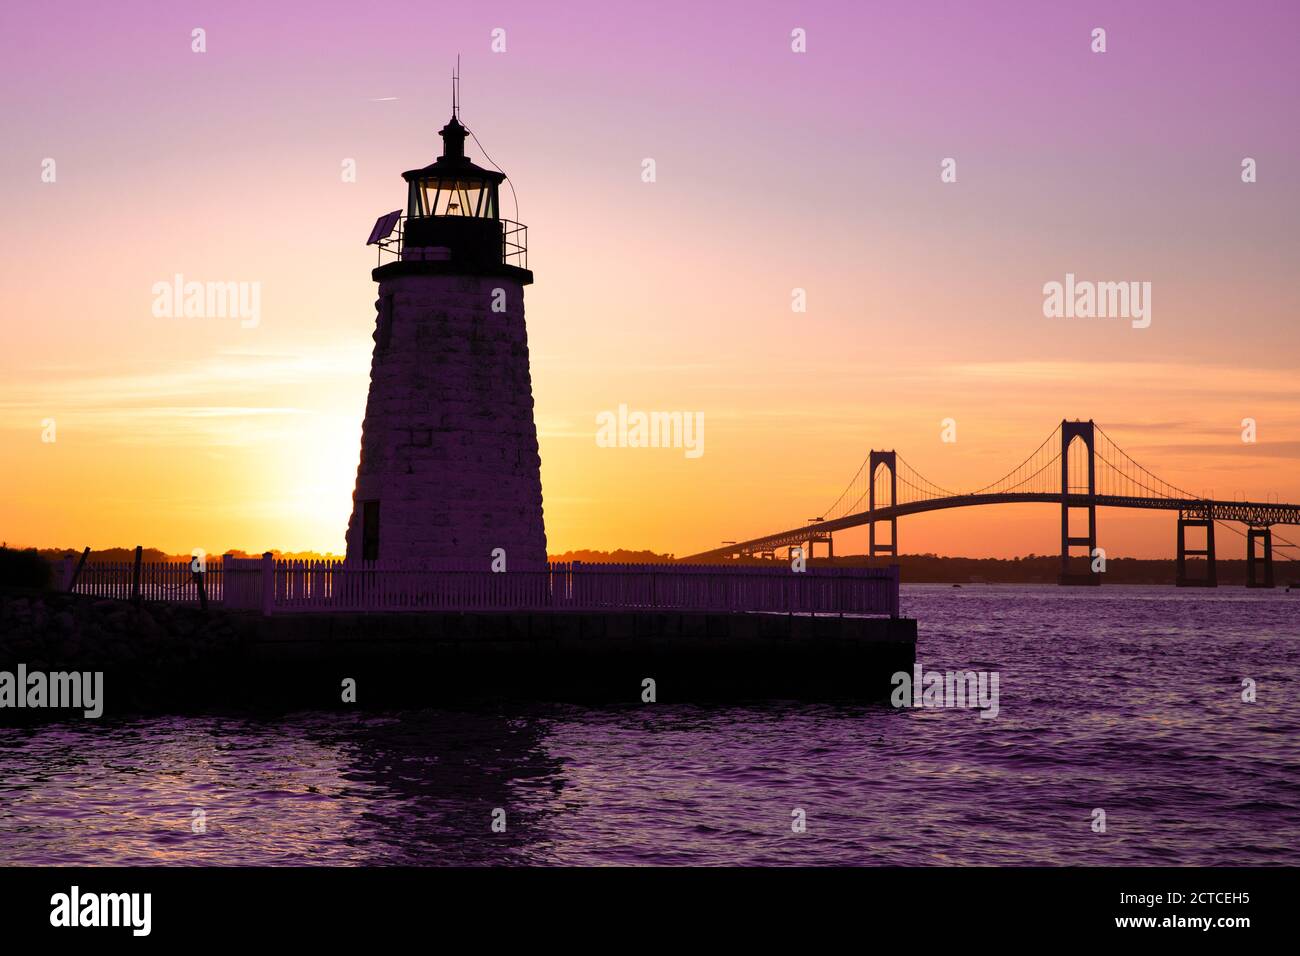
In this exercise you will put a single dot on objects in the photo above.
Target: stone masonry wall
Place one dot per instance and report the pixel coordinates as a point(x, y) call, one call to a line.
point(449, 445)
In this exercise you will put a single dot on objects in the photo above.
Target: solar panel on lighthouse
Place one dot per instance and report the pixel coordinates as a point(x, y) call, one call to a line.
point(384, 226)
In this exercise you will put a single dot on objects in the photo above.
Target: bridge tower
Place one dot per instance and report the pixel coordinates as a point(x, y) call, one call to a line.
point(449, 465)
point(887, 459)
point(1083, 431)
point(1253, 579)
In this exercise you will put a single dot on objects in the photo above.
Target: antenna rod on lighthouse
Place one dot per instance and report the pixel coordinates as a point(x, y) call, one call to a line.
point(455, 89)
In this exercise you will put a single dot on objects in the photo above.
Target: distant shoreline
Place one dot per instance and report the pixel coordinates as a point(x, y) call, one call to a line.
point(1044, 569)
point(914, 568)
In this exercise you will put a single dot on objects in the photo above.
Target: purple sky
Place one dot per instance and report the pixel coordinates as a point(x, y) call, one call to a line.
point(775, 170)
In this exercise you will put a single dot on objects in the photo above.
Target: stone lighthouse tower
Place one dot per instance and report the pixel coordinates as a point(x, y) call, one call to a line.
point(449, 465)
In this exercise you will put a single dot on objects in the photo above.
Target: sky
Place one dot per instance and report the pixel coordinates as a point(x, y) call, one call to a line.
point(774, 170)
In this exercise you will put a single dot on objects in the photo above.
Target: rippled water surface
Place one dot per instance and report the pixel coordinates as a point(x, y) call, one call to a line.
point(1123, 699)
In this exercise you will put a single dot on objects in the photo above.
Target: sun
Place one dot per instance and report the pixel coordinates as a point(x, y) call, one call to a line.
point(316, 487)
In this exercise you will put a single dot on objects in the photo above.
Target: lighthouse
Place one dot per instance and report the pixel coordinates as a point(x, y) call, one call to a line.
point(449, 467)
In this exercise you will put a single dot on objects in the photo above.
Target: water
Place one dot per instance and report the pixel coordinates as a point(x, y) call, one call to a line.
point(1122, 699)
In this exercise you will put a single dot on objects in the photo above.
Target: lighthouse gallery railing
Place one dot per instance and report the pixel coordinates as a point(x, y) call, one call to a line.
point(514, 246)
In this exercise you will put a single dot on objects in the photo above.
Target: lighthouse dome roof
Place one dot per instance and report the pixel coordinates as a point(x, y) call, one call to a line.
point(453, 161)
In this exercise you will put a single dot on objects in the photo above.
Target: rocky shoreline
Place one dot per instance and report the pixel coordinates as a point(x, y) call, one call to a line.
point(156, 656)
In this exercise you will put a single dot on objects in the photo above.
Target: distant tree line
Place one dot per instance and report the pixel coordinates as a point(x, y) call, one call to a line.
point(34, 567)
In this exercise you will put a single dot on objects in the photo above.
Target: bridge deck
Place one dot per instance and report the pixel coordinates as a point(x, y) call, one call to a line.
point(1253, 513)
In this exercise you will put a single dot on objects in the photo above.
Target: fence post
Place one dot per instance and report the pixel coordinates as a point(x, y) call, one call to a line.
point(135, 576)
point(72, 583)
point(268, 582)
point(65, 571)
point(199, 577)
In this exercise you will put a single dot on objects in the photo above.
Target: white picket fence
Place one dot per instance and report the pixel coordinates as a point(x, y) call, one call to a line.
point(278, 586)
point(159, 580)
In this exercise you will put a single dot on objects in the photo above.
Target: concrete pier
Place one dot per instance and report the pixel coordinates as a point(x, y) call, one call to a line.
point(585, 656)
point(166, 658)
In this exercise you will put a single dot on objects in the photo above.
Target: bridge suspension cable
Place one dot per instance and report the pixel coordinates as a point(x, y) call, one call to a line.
point(856, 483)
point(1126, 477)
point(920, 486)
point(1116, 473)
point(1030, 473)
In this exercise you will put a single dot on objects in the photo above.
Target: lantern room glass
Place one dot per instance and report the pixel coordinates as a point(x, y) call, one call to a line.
point(444, 196)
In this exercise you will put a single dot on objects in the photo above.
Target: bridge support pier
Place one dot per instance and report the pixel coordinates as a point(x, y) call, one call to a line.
point(1253, 577)
point(879, 547)
point(1211, 579)
point(830, 545)
point(1083, 431)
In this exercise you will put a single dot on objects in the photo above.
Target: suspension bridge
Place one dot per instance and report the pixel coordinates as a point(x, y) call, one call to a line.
point(1079, 468)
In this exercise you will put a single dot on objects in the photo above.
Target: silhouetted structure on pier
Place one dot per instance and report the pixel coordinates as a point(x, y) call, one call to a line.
point(449, 464)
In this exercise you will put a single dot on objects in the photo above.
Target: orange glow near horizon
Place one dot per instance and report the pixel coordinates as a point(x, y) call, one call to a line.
point(277, 471)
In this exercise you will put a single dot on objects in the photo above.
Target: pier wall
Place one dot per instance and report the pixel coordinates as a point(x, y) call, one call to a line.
point(173, 659)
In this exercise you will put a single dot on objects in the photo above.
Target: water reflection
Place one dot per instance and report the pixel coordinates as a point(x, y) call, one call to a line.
point(308, 788)
point(435, 779)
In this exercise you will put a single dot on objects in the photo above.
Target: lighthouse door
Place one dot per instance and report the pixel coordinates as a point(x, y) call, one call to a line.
point(370, 531)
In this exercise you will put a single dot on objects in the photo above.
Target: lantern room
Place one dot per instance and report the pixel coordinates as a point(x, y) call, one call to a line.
point(454, 204)
point(452, 186)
